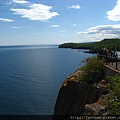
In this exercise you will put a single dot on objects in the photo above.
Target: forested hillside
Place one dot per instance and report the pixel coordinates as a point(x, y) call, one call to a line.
point(111, 44)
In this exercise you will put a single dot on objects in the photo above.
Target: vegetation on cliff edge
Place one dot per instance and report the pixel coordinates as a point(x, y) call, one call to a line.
point(93, 70)
point(114, 101)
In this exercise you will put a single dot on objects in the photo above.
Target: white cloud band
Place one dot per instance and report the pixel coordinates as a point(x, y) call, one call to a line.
point(103, 31)
point(20, 1)
point(16, 27)
point(6, 20)
point(54, 25)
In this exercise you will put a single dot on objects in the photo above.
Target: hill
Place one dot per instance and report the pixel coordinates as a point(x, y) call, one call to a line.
point(111, 44)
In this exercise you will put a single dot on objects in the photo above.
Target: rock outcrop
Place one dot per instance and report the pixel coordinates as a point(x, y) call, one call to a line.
point(75, 97)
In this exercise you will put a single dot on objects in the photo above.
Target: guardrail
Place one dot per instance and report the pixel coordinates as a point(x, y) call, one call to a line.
point(111, 59)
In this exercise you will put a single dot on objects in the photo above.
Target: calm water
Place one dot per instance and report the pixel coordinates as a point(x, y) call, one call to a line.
point(30, 77)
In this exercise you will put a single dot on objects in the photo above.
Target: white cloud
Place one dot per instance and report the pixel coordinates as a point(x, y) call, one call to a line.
point(74, 7)
point(14, 2)
point(114, 14)
point(36, 12)
point(20, 1)
point(74, 25)
point(63, 31)
point(100, 36)
point(54, 25)
point(103, 31)
point(6, 20)
point(77, 40)
point(16, 27)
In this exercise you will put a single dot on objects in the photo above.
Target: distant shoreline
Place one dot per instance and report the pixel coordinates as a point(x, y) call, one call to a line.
point(95, 47)
point(28, 46)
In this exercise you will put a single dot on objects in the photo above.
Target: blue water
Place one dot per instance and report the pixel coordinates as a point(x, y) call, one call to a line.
point(30, 77)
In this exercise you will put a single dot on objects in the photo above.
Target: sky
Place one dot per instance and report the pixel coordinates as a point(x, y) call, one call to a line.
point(38, 22)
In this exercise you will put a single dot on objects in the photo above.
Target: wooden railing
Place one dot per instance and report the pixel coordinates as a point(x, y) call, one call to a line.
point(111, 59)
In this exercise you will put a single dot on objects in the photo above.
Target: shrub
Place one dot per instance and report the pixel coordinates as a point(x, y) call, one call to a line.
point(114, 102)
point(93, 70)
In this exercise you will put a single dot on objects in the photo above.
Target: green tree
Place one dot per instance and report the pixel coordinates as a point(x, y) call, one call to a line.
point(93, 70)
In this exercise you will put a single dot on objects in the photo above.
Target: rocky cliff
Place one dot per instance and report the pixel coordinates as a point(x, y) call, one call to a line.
point(77, 98)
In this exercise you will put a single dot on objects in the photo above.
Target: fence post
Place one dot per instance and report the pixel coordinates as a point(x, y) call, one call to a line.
point(116, 61)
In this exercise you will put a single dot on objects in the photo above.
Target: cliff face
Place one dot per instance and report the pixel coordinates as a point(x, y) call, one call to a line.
point(74, 96)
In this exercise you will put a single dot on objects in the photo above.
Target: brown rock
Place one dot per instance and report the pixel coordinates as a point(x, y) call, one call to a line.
point(78, 98)
point(74, 95)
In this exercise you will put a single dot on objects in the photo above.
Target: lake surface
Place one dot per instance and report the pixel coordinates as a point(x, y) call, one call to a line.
point(31, 76)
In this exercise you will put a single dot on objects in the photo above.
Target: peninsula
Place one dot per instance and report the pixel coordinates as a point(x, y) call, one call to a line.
point(95, 47)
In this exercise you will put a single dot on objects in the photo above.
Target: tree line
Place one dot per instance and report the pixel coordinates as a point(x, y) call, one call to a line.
point(112, 44)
